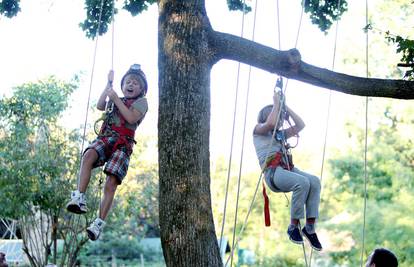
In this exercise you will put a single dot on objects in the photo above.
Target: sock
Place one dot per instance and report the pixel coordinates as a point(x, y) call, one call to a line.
point(294, 221)
point(310, 228)
point(293, 224)
point(291, 227)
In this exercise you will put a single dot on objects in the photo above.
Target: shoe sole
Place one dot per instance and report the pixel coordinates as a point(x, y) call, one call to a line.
point(74, 209)
point(91, 235)
point(296, 242)
point(310, 243)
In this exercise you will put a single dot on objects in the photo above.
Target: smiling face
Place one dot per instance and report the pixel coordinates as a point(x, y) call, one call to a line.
point(133, 86)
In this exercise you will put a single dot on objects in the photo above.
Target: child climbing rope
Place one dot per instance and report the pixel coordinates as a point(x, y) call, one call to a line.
point(279, 172)
point(114, 143)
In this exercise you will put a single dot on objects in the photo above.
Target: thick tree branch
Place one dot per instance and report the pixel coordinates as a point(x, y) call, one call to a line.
point(289, 64)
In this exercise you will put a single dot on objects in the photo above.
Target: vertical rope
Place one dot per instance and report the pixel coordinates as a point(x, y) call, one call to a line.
point(113, 35)
point(328, 115)
point(257, 187)
point(72, 248)
point(261, 174)
point(232, 136)
point(366, 139)
point(243, 138)
point(91, 81)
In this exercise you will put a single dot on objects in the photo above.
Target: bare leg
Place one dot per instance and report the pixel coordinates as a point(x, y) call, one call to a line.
point(108, 196)
point(88, 159)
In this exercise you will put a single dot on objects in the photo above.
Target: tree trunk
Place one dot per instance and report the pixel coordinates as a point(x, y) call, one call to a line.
point(54, 237)
point(186, 221)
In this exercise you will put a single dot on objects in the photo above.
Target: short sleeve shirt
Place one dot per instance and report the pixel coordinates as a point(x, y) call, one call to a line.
point(139, 104)
point(265, 146)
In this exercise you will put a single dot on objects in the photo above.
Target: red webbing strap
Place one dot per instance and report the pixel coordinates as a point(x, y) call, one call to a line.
point(122, 140)
point(266, 206)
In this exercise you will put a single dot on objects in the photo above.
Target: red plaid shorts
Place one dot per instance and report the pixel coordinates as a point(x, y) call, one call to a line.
point(117, 162)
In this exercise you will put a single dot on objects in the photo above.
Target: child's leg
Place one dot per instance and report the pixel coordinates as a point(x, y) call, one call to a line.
point(109, 192)
point(313, 199)
point(288, 181)
point(88, 159)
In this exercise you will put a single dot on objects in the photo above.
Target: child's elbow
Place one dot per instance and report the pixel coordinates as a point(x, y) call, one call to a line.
point(132, 120)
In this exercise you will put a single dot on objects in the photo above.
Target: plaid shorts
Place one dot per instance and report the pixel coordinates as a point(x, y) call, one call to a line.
point(116, 162)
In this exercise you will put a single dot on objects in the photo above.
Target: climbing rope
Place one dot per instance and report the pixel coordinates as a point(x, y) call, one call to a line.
point(244, 133)
point(366, 139)
point(75, 227)
point(235, 245)
point(232, 135)
point(328, 115)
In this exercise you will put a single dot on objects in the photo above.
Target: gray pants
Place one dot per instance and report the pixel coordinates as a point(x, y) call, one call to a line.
point(305, 188)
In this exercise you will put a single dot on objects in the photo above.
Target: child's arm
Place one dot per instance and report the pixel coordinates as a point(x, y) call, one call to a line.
point(131, 115)
point(101, 105)
point(269, 124)
point(299, 124)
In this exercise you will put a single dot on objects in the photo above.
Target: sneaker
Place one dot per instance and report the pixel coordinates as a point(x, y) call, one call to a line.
point(294, 235)
point(313, 239)
point(77, 203)
point(95, 229)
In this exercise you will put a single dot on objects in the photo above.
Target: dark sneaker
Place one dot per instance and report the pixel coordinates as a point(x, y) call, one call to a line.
point(77, 203)
point(313, 239)
point(294, 235)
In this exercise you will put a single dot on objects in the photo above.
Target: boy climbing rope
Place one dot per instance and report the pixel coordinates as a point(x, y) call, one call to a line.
point(114, 143)
point(279, 172)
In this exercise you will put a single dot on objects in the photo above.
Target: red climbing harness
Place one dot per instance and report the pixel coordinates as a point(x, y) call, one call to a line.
point(124, 134)
point(273, 162)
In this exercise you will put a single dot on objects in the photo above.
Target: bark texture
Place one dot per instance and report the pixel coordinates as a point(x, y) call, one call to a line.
point(289, 64)
point(186, 221)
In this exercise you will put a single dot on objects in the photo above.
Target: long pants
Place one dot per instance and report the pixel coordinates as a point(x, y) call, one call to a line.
point(305, 188)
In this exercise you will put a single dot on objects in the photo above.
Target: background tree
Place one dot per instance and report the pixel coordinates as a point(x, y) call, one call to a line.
point(38, 168)
point(188, 48)
point(390, 187)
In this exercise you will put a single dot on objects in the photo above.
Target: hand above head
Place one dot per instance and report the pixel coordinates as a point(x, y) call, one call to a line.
point(110, 77)
point(278, 97)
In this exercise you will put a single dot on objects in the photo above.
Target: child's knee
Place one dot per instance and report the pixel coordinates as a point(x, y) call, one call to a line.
point(303, 185)
point(315, 182)
point(90, 156)
point(111, 183)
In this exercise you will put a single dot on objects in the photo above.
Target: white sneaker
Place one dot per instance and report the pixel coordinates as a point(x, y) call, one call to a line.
point(77, 203)
point(95, 229)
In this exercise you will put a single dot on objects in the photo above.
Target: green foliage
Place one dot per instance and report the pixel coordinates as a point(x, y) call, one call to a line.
point(238, 5)
point(122, 247)
point(34, 150)
point(98, 17)
point(39, 161)
point(324, 13)
point(406, 48)
point(390, 191)
point(9, 8)
point(135, 7)
point(99, 14)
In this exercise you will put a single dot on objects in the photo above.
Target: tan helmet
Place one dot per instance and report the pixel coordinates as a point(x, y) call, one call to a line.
point(136, 69)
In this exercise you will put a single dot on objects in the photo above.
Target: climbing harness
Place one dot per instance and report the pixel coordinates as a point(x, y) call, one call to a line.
point(125, 136)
